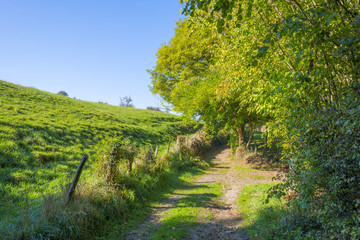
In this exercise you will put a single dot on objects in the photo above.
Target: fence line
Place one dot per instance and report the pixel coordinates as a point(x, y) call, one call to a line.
point(9, 209)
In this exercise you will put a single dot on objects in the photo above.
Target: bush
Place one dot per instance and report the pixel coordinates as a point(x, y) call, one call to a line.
point(324, 173)
point(63, 93)
point(118, 153)
point(154, 109)
point(147, 159)
point(200, 142)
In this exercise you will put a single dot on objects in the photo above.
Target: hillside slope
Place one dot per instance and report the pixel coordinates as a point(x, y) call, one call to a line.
point(43, 136)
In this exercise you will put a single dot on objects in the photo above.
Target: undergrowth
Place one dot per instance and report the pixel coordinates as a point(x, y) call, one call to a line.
point(98, 205)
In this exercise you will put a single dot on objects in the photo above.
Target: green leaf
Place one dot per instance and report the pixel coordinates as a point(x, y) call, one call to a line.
point(299, 54)
point(263, 49)
point(330, 17)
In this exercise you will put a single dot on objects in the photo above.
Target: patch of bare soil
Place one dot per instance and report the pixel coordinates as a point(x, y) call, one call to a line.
point(233, 175)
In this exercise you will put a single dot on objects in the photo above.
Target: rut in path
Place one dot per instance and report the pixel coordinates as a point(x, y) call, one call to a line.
point(226, 215)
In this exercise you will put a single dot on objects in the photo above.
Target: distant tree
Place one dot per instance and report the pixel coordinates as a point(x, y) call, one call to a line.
point(63, 93)
point(126, 101)
point(166, 109)
point(154, 108)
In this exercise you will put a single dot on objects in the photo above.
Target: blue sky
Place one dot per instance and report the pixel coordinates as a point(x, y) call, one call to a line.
point(93, 50)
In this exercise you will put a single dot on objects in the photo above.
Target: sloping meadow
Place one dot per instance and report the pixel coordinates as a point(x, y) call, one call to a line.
point(43, 137)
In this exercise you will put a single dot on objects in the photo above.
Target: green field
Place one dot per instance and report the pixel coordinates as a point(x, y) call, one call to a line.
point(43, 137)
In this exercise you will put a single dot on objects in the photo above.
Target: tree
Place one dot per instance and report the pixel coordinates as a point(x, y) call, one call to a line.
point(126, 102)
point(153, 108)
point(63, 93)
point(188, 75)
point(306, 55)
point(297, 54)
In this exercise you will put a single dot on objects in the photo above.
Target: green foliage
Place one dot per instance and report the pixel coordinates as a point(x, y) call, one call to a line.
point(63, 93)
point(324, 171)
point(192, 74)
point(120, 151)
point(116, 154)
point(147, 158)
point(302, 60)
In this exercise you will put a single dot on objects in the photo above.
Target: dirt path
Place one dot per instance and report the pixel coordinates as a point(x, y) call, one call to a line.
point(217, 218)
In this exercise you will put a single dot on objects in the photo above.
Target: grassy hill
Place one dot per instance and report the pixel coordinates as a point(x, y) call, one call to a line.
point(44, 135)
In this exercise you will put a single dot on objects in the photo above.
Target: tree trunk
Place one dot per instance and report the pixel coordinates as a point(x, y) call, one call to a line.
point(265, 143)
point(240, 132)
point(251, 135)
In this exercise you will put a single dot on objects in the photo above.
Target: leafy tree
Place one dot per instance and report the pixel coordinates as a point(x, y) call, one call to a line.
point(188, 76)
point(126, 102)
point(304, 60)
point(63, 93)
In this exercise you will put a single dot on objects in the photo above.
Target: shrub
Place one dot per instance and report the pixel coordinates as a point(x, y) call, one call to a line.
point(147, 159)
point(153, 109)
point(324, 172)
point(116, 154)
point(63, 93)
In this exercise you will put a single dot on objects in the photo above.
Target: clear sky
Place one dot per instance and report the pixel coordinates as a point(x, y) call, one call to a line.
point(94, 50)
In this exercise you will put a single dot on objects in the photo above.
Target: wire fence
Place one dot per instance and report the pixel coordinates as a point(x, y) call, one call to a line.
point(28, 204)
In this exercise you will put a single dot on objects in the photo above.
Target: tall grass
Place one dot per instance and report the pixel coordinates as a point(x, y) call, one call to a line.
point(100, 205)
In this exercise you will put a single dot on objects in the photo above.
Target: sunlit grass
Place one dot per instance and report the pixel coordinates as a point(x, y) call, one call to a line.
point(251, 173)
point(43, 137)
point(188, 211)
point(260, 218)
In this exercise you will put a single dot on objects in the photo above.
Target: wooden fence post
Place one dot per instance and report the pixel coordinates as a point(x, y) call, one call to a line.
point(168, 149)
point(177, 145)
point(156, 151)
point(76, 178)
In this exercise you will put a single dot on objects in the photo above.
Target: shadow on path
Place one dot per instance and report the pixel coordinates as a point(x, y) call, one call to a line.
point(201, 210)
